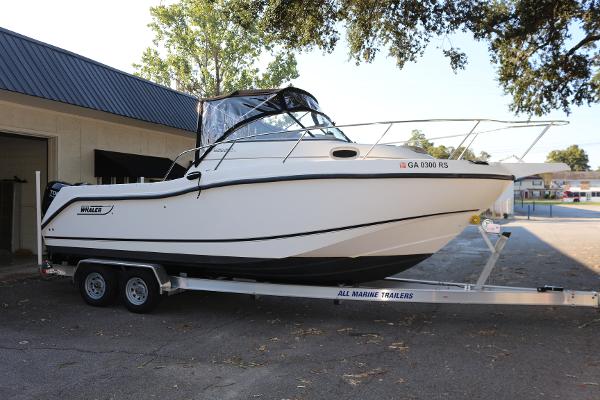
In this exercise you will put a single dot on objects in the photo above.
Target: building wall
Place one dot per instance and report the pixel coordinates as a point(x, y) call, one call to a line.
point(73, 138)
point(529, 184)
point(505, 203)
point(73, 133)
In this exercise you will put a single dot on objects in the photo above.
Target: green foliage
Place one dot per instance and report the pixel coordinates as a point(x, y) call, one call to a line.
point(418, 139)
point(208, 48)
point(574, 156)
point(440, 151)
point(546, 51)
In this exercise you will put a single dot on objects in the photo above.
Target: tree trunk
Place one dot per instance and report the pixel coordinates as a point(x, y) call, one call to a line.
point(217, 74)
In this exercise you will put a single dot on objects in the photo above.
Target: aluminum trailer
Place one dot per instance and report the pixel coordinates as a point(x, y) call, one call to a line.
point(141, 285)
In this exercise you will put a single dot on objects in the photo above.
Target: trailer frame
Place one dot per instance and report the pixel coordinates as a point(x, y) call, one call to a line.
point(391, 289)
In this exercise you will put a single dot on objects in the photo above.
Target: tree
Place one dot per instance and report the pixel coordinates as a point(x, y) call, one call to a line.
point(440, 152)
point(419, 139)
point(574, 156)
point(206, 48)
point(546, 51)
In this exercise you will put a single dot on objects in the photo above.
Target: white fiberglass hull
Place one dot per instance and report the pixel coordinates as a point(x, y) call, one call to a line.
point(336, 225)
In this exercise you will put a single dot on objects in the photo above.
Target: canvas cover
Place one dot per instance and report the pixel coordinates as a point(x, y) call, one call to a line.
point(221, 116)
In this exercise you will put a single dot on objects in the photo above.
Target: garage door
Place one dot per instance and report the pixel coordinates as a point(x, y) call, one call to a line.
point(20, 157)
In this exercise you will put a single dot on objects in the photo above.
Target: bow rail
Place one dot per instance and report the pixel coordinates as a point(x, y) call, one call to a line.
point(472, 133)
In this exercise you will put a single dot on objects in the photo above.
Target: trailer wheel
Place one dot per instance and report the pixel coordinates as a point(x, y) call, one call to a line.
point(98, 285)
point(140, 291)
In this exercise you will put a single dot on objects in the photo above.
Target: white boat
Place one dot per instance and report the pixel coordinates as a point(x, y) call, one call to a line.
point(278, 193)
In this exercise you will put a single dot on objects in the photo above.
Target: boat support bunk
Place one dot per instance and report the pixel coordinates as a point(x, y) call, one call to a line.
point(142, 285)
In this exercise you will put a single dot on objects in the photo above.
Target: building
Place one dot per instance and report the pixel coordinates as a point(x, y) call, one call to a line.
point(77, 120)
point(578, 185)
point(567, 185)
point(530, 187)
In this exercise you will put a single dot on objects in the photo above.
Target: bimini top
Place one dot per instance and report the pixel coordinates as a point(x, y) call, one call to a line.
point(221, 116)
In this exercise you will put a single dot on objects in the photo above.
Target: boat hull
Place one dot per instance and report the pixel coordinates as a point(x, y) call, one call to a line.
point(306, 270)
point(318, 230)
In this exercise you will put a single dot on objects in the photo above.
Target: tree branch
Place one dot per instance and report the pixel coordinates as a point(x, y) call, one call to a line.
point(583, 42)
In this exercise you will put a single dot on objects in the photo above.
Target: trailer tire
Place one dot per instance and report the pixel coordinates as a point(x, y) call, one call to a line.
point(98, 285)
point(140, 291)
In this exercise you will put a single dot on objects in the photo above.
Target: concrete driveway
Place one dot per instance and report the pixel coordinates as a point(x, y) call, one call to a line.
point(218, 346)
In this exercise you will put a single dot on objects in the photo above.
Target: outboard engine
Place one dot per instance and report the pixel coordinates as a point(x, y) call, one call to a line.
point(52, 189)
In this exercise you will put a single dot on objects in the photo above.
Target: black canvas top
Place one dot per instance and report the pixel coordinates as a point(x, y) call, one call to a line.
point(256, 92)
point(224, 114)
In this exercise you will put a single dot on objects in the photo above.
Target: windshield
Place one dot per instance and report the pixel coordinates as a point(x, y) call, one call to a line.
point(288, 126)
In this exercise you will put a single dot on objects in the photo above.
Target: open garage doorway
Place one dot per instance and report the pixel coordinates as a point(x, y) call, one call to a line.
point(20, 157)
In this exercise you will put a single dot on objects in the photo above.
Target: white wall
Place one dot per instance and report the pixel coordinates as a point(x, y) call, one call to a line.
point(505, 203)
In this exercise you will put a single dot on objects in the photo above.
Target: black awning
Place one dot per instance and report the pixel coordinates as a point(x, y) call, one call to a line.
point(112, 163)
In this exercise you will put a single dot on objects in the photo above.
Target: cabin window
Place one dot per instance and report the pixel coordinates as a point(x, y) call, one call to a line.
point(289, 126)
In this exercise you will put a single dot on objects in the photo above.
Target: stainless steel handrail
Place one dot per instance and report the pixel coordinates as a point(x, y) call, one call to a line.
point(465, 138)
point(378, 140)
point(515, 125)
point(225, 154)
point(293, 147)
point(486, 131)
point(536, 140)
point(470, 143)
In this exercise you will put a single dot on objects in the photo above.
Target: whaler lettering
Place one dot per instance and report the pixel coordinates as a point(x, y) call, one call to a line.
point(95, 210)
point(90, 209)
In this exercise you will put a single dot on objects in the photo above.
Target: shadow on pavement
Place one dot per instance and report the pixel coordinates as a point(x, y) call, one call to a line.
point(526, 261)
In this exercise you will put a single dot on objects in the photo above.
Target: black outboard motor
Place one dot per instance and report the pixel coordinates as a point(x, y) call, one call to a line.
point(52, 189)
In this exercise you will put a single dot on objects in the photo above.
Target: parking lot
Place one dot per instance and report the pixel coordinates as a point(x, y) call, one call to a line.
point(223, 346)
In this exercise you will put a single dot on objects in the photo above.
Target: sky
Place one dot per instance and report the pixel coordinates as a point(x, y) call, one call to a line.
point(116, 33)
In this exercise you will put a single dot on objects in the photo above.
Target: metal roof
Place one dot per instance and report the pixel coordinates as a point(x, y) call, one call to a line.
point(576, 175)
point(38, 69)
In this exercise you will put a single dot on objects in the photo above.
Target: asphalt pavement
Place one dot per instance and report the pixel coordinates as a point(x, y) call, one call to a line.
point(226, 346)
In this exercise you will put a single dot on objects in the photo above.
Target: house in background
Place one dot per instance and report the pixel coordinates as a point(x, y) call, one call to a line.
point(77, 120)
point(529, 187)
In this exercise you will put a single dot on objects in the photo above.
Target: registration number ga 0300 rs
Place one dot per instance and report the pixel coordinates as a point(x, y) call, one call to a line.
point(424, 164)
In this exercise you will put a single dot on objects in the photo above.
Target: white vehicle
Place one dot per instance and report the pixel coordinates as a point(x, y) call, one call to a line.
point(278, 193)
point(577, 194)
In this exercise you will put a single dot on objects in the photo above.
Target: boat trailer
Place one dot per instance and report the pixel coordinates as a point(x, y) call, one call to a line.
point(143, 284)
